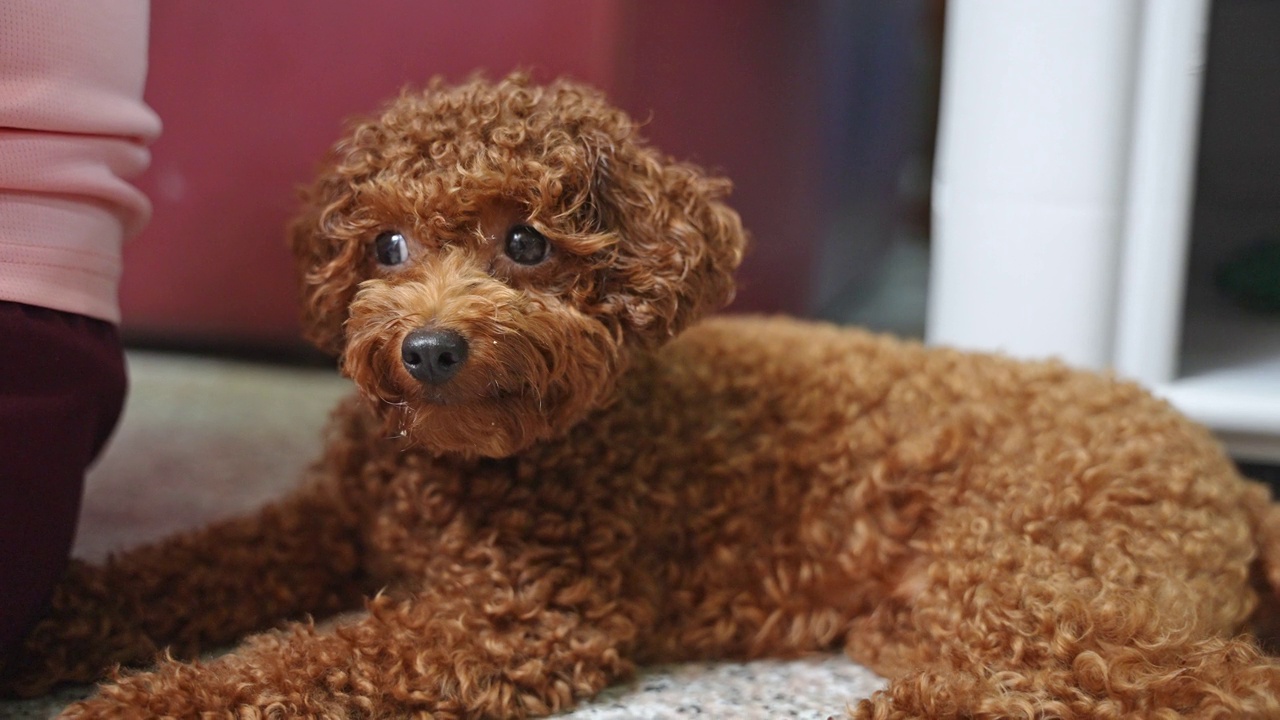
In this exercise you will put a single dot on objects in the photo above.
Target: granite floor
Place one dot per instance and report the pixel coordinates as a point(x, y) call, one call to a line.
point(204, 438)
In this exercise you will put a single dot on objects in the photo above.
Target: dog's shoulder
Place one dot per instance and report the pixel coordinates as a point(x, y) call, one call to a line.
point(787, 352)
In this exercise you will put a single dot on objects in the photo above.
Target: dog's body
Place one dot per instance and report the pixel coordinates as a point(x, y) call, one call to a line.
point(538, 490)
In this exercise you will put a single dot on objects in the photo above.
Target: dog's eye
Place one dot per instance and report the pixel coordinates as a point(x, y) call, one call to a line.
point(526, 245)
point(391, 248)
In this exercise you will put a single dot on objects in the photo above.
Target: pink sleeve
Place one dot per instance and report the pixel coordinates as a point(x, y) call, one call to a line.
point(73, 129)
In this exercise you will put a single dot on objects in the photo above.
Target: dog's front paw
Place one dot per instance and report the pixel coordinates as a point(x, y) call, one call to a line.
point(88, 628)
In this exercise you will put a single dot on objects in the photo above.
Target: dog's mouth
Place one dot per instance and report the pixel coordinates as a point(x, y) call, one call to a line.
point(450, 397)
point(495, 423)
point(493, 406)
point(483, 410)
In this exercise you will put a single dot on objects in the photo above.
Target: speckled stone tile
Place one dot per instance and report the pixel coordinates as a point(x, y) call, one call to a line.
point(203, 439)
point(814, 688)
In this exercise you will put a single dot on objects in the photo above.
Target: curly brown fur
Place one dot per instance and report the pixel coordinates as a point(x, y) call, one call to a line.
point(583, 493)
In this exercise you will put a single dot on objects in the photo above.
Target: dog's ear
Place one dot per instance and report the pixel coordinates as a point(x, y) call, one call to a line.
point(679, 243)
point(329, 264)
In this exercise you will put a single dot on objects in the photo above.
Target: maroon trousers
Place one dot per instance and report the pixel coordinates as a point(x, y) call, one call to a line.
point(62, 385)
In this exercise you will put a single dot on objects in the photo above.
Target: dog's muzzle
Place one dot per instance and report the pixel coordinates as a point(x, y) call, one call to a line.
point(433, 356)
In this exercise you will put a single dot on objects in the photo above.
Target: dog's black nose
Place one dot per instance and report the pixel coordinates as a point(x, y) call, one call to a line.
point(433, 356)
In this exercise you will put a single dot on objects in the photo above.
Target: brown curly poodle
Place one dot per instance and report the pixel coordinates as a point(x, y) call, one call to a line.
point(549, 476)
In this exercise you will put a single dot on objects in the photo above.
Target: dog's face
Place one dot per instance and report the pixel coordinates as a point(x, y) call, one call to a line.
point(484, 259)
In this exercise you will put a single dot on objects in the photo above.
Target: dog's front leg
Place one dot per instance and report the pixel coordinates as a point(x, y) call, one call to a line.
point(474, 646)
point(194, 591)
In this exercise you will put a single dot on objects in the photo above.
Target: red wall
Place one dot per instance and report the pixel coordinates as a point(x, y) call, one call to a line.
point(734, 86)
point(253, 93)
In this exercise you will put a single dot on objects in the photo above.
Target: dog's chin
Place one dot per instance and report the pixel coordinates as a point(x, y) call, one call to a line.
point(494, 426)
point(490, 427)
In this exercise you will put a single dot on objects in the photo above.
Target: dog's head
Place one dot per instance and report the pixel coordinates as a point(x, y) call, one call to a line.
point(485, 258)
